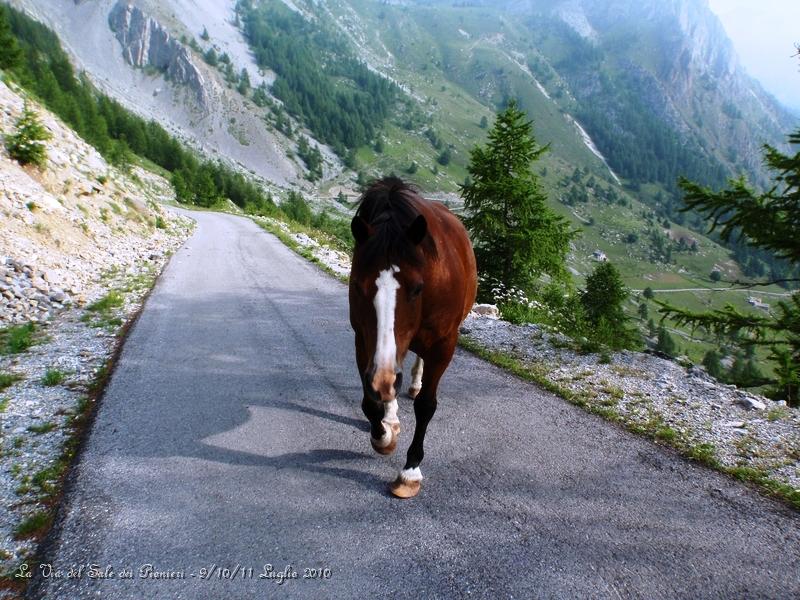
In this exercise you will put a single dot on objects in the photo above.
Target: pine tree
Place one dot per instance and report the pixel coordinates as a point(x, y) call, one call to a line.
point(767, 221)
point(604, 294)
point(211, 57)
point(516, 236)
point(713, 365)
point(10, 53)
point(666, 343)
point(26, 145)
point(244, 83)
point(602, 302)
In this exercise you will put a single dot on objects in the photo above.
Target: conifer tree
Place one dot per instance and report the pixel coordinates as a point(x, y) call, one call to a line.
point(516, 236)
point(602, 302)
point(769, 221)
point(10, 53)
point(244, 82)
point(26, 145)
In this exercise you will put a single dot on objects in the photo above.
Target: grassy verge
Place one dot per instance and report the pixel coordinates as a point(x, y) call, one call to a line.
point(654, 428)
point(17, 339)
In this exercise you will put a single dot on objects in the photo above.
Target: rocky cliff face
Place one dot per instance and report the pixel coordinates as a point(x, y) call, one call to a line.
point(146, 43)
point(679, 59)
point(200, 108)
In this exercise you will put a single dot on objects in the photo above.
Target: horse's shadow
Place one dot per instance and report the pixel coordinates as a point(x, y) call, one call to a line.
point(360, 424)
point(314, 460)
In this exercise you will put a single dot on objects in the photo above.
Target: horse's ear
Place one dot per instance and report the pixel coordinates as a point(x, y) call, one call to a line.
point(418, 229)
point(360, 229)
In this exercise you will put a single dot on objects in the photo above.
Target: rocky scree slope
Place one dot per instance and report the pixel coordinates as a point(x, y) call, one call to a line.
point(67, 224)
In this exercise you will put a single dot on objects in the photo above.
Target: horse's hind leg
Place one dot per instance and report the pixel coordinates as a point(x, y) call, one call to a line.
point(416, 378)
point(407, 484)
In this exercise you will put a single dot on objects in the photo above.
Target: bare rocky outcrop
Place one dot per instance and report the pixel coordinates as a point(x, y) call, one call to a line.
point(146, 43)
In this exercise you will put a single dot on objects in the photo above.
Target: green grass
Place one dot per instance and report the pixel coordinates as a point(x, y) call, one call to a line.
point(778, 413)
point(15, 340)
point(112, 299)
point(9, 379)
point(101, 312)
point(46, 479)
point(32, 525)
point(43, 428)
point(53, 377)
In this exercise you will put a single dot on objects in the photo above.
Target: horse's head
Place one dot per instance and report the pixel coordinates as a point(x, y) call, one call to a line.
point(386, 291)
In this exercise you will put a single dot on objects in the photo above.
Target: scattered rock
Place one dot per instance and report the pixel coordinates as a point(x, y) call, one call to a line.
point(486, 310)
point(646, 388)
point(751, 403)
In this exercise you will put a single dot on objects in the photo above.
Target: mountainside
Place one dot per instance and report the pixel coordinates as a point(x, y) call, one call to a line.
point(654, 87)
point(135, 54)
point(628, 95)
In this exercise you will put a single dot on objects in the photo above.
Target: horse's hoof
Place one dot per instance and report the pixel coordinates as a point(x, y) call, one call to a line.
point(412, 392)
point(392, 445)
point(401, 488)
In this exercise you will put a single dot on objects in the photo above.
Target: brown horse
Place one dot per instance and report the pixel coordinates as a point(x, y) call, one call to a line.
point(412, 282)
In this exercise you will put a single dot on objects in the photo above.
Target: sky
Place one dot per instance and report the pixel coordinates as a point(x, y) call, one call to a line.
point(764, 33)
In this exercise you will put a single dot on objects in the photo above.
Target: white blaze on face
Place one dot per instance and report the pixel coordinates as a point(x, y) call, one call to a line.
point(385, 300)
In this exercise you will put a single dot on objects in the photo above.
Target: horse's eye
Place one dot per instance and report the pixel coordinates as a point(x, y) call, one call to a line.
point(416, 291)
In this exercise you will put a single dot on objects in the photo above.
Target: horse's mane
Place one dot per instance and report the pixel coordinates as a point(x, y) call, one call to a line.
point(389, 205)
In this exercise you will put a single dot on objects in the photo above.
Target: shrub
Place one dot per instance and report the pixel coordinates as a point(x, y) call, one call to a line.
point(602, 302)
point(16, 339)
point(8, 379)
point(26, 145)
point(53, 377)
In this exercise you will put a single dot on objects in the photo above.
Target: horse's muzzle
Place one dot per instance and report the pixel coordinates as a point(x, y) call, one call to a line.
point(383, 385)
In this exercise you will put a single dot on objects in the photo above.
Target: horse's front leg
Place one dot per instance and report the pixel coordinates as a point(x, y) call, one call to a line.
point(382, 416)
point(407, 484)
point(416, 378)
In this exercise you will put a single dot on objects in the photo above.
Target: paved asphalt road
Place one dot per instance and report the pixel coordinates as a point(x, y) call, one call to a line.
point(231, 435)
